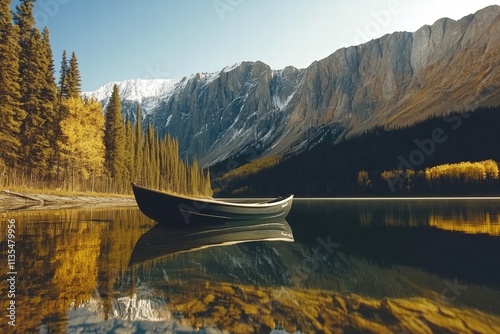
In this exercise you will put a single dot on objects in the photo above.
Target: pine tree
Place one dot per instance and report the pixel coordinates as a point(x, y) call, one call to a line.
point(49, 97)
point(194, 178)
point(61, 114)
point(50, 90)
point(149, 147)
point(11, 114)
point(24, 19)
point(146, 166)
point(25, 22)
point(114, 139)
point(63, 78)
point(33, 68)
point(164, 168)
point(74, 81)
point(207, 185)
point(170, 164)
point(138, 149)
point(182, 178)
point(129, 152)
point(156, 160)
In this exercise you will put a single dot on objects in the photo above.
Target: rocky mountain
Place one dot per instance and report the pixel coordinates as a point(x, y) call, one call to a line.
point(391, 81)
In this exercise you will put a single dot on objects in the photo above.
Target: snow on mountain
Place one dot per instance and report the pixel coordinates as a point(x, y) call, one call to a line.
point(231, 67)
point(136, 89)
point(136, 314)
point(147, 92)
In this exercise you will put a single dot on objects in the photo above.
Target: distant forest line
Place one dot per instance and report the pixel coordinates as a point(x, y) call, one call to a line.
point(409, 161)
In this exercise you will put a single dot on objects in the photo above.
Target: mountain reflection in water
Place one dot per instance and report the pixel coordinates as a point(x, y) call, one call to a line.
point(354, 266)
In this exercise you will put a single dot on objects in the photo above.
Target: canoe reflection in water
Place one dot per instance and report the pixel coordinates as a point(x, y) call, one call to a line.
point(162, 241)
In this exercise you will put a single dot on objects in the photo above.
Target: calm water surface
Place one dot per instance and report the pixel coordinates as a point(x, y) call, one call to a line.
point(334, 266)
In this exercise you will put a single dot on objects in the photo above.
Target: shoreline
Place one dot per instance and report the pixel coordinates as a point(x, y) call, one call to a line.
point(10, 200)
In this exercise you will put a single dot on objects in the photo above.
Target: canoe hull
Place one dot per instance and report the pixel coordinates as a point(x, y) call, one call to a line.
point(166, 208)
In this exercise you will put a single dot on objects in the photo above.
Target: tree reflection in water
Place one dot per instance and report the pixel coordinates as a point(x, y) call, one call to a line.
point(74, 276)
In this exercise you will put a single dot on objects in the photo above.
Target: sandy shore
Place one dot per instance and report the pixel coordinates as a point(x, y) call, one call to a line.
point(16, 201)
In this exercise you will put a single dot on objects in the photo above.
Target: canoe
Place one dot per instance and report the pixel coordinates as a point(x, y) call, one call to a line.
point(166, 208)
point(164, 241)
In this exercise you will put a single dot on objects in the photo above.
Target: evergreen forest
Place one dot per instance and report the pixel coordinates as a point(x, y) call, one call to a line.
point(452, 155)
point(53, 138)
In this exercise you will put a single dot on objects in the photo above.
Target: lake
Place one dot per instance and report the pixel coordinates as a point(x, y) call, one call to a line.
point(353, 266)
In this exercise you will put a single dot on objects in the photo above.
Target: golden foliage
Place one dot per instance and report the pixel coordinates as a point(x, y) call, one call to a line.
point(468, 171)
point(81, 144)
point(364, 179)
point(72, 252)
point(470, 224)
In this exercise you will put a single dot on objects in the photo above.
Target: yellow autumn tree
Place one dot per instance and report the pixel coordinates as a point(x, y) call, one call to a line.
point(491, 169)
point(81, 143)
point(468, 171)
point(364, 179)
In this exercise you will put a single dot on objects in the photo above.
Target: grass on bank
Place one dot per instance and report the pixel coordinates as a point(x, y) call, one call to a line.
point(61, 192)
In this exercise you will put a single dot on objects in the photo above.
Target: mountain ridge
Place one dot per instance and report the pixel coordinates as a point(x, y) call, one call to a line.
point(391, 81)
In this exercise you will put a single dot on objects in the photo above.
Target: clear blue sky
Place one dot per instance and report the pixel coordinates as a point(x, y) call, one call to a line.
point(117, 40)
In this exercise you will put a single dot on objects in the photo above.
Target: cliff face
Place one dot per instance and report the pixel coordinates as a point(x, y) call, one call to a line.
point(216, 115)
point(404, 77)
point(391, 81)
